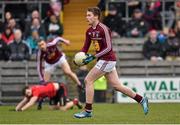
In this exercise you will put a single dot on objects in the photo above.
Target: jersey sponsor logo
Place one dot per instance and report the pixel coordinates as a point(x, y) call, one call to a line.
point(51, 55)
point(96, 45)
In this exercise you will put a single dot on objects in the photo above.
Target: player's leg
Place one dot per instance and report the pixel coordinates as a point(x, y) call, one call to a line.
point(48, 70)
point(67, 71)
point(93, 75)
point(47, 76)
point(70, 104)
point(113, 79)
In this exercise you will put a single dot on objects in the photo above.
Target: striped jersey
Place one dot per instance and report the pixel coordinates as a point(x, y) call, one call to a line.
point(100, 37)
point(51, 55)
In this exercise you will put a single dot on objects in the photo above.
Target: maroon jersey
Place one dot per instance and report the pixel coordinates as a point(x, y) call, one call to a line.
point(102, 41)
point(42, 91)
point(51, 55)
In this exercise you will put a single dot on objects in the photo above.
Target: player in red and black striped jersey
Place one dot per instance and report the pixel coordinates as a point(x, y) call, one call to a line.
point(100, 36)
point(56, 92)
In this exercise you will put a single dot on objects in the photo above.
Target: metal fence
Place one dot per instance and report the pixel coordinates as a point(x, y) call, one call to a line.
point(127, 11)
point(4, 3)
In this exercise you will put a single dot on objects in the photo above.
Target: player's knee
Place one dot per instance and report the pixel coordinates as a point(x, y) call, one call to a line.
point(88, 82)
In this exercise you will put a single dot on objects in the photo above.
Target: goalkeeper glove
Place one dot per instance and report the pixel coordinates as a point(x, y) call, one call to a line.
point(88, 59)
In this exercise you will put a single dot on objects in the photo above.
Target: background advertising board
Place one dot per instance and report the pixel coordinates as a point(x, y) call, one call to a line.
point(156, 89)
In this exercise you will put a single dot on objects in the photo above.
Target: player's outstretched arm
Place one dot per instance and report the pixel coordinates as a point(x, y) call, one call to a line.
point(61, 39)
point(31, 102)
point(21, 104)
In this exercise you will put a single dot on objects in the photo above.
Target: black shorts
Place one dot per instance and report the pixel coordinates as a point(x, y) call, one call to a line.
point(60, 97)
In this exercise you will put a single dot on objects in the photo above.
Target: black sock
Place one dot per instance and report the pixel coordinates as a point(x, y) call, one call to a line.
point(88, 107)
point(138, 98)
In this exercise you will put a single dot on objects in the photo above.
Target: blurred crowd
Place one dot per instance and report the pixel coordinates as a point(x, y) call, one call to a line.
point(163, 35)
point(19, 37)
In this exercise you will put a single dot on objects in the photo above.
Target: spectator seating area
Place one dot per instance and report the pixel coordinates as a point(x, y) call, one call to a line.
point(131, 62)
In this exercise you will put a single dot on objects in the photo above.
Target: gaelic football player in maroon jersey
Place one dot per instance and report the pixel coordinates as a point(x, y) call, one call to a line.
point(56, 92)
point(53, 57)
point(99, 35)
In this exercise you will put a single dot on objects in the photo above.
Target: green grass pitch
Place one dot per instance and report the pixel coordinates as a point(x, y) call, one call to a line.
point(160, 113)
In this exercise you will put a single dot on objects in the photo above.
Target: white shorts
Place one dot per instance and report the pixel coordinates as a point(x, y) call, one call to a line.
point(106, 66)
point(51, 67)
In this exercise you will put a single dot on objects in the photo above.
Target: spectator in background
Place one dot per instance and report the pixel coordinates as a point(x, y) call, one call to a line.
point(172, 45)
point(54, 28)
point(19, 51)
point(4, 54)
point(177, 8)
point(13, 24)
point(8, 35)
point(152, 15)
point(114, 22)
point(56, 6)
point(152, 48)
point(102, 5)
point(35, 14)
point(132, 5)
point(169, 17)
point(172, 49)
point(177, 29)
point(137, 26)
point(36, 25)
point(166, 34)
point(32, 41)
point(8, 16)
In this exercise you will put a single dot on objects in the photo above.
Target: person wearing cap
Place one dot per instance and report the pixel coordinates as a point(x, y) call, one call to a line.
point(114, 21)
point(137, 26)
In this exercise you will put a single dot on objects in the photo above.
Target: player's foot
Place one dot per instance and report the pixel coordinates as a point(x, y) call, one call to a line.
point(144, 104)
point(83, 114)
point(39, 107)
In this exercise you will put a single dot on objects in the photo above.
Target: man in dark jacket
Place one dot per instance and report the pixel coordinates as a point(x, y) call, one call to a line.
point(19, 51)
point(137, 26)
point(153, 49)
point(114, 22)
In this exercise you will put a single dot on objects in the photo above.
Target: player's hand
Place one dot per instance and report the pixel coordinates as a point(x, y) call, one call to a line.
point(81, 88)
point(15, 110)
point(75, 63)
point(88, 59)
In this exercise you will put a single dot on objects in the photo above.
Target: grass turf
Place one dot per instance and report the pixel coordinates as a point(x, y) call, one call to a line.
point(160, 113)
